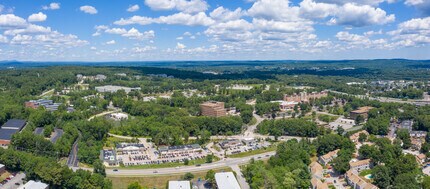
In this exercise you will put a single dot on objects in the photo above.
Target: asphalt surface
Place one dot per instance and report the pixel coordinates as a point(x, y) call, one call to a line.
point(179, 170)
point(72, 161)
point(57, 134)
point(11, 183)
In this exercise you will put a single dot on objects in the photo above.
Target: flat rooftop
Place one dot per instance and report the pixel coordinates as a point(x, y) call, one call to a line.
point(14, 124)
point(6, 134)
point(226, 180)
point(179, 185)
point(34, 185)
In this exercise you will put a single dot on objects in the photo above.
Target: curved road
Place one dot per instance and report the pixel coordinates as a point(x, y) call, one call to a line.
point(204, 167)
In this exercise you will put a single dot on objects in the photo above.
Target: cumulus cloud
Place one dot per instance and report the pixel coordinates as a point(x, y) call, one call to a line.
point(39, 17)
point(143, 49)
point(88, 9)
point(3, 39)
point(422, 5)
point(141, 20)
point(133, 33)
point(51, 6)
point(30, 29)
point(180, 46)
point(199, 19)
point(112, 42)
point(187, 6)
point(413, 32)
point(23, 33)
point(133, 8)
point(349, 14)
point(223, 14)
point(362, 41)
point(359, 2)
point(10, 20)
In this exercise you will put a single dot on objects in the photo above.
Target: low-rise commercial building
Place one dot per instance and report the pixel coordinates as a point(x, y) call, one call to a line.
point(213, 109)
point(304, 96)
point(363, 112)
point(179, 184)
point(114, 89)
point(226, 180)
point(34, 185)
point(8, 129)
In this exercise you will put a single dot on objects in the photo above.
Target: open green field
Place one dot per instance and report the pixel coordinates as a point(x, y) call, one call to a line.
point(158, 182)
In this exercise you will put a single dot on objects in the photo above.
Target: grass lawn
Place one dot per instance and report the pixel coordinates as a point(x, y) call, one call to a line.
point(173, 164)
point(4, 176)
point(110, 142)
point(254, 152)
point(159, 181)
point(365, 172)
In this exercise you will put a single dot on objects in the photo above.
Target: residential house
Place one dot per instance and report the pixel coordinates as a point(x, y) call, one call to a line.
point(356, 182)
point(327, 158)
point(360, 165)
point(317, 184)
point(316, 170)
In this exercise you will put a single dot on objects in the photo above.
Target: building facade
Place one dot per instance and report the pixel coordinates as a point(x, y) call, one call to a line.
point(213, 109)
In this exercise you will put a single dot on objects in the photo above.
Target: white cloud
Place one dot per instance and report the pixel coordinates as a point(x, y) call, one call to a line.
point(362, 41)
point(88, 9)
point(348, 14)
point(118, 31)
point(30, 29)
point(52, 6)
point(422, 5)
point(187, 6)
point(93, 48)
point(3, 39)
point(413, 32)
point(180, 38)
point(133, 8)
point(141, 20)
point(48, 40)
point(143, 49)
point(112, 42)
point(180, 46)
point(133, 33)
point(1, 8)
point(10, 20)
point(199, 19)
point(358, 2)
point(39, 17)
point(358, 16)
point(223, 14)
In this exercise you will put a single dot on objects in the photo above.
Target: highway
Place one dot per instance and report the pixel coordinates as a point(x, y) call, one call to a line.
point(229, 162)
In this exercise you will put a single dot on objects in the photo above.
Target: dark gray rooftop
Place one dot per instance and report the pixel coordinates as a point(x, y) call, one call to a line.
point(14, 123)
point(6, 134)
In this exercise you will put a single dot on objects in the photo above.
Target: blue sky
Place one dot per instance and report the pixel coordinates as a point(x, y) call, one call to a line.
point(146, 30)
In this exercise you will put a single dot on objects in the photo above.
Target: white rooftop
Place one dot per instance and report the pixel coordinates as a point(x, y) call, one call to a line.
point(34, 185)
point(179, 185)
point(226, 180)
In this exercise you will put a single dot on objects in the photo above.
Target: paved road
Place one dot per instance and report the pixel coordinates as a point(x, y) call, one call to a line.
point(242, 181)
point(103, 113)
point(17, 179)
point(204, 167)
point(72, 161)
point(57, 134)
